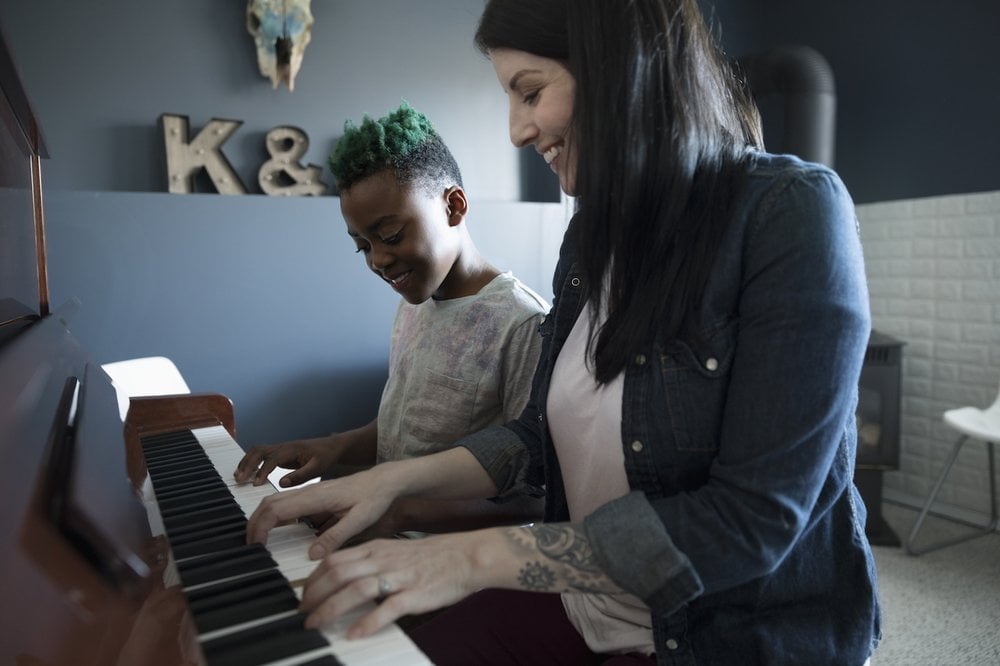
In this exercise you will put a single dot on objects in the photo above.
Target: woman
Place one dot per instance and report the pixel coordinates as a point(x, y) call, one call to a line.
point(692, 416)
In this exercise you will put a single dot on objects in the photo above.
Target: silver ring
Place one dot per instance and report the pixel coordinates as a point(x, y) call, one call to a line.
point(384, 588)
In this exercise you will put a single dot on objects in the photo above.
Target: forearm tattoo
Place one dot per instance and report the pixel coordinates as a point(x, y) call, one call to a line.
point(566, 562)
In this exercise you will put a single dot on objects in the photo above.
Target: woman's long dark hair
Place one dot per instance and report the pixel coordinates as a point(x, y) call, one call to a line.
point(661, 125)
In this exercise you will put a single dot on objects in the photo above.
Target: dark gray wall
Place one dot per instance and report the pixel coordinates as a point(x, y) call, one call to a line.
point(101, 73)
point(918, 89)
point(261, 298)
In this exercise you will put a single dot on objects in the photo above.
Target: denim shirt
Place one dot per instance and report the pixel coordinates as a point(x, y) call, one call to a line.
point(743, 530)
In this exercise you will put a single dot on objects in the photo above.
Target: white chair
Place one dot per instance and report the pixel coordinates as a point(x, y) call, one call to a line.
point(150, 375)
point(975, 423)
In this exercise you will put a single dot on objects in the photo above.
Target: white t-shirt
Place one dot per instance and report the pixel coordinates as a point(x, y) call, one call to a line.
point(585, 421)
point(457, 366)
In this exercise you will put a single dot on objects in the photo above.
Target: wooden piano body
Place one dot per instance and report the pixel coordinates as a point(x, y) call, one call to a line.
point(81, 572)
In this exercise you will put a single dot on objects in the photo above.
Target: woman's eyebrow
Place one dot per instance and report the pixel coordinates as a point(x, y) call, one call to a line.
point(514, 80)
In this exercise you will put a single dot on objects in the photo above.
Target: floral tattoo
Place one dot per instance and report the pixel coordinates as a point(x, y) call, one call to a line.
point(536, 577)
point(569, 563)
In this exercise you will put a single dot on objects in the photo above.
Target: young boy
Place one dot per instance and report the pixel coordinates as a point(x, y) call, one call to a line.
point(464, 342)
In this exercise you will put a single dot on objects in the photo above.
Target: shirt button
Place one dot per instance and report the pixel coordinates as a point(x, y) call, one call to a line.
point(712, 365)
point(637, 446)
point(539, 417)
point(671, 644)
point(575, 282)
point(640, 359)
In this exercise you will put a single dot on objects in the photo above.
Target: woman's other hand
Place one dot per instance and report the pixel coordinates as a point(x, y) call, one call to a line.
point(353, 503)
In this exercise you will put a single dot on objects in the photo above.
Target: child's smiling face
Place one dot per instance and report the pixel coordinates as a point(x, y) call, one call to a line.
point(405, 235)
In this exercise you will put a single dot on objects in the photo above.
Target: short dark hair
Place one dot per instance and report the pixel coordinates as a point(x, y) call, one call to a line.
point(403, 142)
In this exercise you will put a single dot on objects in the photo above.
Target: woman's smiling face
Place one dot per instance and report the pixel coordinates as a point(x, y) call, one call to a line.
point(540, 91)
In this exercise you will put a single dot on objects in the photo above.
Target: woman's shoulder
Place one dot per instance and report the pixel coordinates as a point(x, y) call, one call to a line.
point(787, 200)
point(768, 171)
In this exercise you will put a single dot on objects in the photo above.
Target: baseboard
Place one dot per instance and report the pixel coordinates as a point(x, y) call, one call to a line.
point(940, 509)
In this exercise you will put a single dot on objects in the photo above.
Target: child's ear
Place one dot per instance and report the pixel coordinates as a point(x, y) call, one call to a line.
point(457, 205)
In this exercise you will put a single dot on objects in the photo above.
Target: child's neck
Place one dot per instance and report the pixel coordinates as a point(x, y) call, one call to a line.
point(469, 275)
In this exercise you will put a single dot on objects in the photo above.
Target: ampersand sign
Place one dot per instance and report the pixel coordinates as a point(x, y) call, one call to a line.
point(282, 174)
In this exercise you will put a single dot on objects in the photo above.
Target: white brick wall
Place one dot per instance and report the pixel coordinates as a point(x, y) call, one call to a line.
point(934, 275)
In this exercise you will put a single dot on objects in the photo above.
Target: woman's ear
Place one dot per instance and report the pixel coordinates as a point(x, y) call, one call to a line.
point(457, 204)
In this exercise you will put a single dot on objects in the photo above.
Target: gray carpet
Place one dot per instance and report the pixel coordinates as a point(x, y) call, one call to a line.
point(941, 608)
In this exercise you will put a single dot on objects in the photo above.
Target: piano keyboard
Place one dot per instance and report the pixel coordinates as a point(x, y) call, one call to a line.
point(244, 598)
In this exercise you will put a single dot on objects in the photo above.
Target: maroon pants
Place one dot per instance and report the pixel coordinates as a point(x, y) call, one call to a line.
point(506, 627)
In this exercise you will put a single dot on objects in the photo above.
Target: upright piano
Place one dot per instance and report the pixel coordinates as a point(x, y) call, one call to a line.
point(124, 543)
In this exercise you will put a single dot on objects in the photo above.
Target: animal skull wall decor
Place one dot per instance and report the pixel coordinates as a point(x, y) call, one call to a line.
point(281, 30)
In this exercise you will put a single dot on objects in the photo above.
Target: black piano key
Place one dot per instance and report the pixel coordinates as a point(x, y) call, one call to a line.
point(192, 485)
point(196, 517)
point(168, 438)
point(157, 443)
point(238, 561)
point(194, 500)
point(193, 536)
point(179, 484)
point(208, 505)
point(194, 456)
point(223, 540)
point(166, 459)
point(192, 479)
point(258, 607)
point(180, 532)
point(325, 660)
point(263, 643)
point(164, 481)
point(214, 544)
point(159, 454)
point(234, 602)
point(181, 464)
point(211, 597)
point(166, 453)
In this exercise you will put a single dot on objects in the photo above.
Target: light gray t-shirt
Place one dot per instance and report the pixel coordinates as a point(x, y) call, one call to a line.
point(457, 366)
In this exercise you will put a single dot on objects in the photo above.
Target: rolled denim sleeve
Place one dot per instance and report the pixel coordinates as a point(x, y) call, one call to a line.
point(628, 530)
point(505, 458)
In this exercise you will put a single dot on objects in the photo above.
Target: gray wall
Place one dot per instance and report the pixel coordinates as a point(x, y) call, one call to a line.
point(101, 73)
point(918, 93)
point(261, 298)
point(918, 89)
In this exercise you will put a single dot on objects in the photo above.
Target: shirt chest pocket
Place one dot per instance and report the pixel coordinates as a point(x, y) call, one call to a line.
point(440, 409)
point(695, 383)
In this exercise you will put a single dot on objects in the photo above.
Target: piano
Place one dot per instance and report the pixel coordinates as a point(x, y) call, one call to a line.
point(124, 543)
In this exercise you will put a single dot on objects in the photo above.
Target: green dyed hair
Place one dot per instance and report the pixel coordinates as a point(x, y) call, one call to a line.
point(403, 142)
